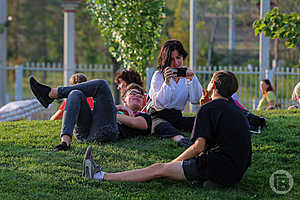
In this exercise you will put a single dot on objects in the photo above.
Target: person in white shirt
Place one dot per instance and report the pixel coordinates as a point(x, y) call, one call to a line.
point(169, 94)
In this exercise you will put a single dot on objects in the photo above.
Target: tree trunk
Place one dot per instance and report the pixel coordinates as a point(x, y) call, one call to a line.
point(116, 67)
point(211, 42)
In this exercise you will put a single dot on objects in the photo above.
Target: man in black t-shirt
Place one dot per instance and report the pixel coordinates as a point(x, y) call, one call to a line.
point(221, 152)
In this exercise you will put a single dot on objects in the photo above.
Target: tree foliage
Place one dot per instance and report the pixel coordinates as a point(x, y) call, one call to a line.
point(131, 29)
point(281, 26)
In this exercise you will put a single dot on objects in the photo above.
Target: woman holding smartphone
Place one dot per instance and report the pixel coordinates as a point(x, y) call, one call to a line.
point(170, 90)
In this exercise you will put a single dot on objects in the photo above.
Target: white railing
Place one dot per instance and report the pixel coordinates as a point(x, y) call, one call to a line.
point(50, 74)
point(283, 79)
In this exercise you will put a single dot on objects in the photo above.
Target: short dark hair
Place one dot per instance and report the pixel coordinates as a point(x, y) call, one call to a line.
point(226, 83)
point(129, 76)
point(269, 85)
point(133, 86)
point(77, 78)
point(164, 57)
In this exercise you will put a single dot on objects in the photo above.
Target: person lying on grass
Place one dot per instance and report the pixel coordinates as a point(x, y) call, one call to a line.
point(220, 154)
point(106, 122)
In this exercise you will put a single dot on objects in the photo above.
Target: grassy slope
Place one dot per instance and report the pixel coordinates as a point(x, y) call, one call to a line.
point(28, 169)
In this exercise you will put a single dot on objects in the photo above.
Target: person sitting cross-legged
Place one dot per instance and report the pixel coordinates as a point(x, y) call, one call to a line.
point(106, 122)
point(220, 154)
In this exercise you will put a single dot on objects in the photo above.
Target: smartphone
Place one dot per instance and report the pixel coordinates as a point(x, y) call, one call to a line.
point(179, 72)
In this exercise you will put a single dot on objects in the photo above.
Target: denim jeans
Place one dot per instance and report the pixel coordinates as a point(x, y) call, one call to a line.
point(99, 124)
point(167, 123)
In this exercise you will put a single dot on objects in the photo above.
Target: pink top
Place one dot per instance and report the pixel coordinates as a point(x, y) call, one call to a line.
point(238, 104)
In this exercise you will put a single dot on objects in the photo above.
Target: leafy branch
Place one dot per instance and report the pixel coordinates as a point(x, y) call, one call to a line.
point(280, 26)
point(131, 29)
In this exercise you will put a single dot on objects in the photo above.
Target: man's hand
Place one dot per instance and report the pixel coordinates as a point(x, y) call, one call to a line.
point(61, 147)
point(205, 97)
point(196, 148)
point(126, 110)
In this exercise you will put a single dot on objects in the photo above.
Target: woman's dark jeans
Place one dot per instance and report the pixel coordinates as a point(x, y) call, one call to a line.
point(167, 123)
point(99, 124)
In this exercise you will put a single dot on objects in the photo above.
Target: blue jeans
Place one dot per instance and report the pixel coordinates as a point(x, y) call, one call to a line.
point(99, 124)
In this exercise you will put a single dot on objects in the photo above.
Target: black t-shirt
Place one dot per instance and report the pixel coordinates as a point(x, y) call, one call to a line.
point(126, 131)
point(228, 151)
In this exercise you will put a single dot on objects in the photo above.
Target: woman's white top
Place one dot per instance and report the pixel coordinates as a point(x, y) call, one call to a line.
point(175, 95)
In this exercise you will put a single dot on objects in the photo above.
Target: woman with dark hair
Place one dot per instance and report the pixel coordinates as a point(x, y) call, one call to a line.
point(169, 93)
point(268, 100)
point(125, 77)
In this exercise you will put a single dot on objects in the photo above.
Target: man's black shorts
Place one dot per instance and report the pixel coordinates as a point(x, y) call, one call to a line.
point(194, 169)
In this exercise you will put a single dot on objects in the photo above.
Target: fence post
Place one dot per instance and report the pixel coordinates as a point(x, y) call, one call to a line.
point(19, 82)
point(254, 104)
point(3, 52)
point(270, 75)
point(150, 72)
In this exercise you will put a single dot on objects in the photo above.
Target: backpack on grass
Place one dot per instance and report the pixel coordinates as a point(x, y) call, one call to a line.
point(256, 122)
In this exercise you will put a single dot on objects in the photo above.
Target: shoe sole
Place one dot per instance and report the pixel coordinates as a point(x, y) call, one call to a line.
point(87, 164)
point(87, 169)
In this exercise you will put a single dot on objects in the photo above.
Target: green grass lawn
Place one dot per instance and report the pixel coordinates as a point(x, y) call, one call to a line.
point(28, 169)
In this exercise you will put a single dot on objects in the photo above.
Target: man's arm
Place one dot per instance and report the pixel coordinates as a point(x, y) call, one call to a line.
point(133, 122)
point(193, 150)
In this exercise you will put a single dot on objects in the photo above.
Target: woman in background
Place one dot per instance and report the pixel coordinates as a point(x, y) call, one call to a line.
point(268, 100)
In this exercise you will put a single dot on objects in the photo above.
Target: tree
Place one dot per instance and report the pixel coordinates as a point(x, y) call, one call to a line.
point(131, 29)
point(180, 28)
point(281, 26)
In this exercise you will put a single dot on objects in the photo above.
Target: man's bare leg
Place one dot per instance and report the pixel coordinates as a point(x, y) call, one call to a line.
point(171, 170)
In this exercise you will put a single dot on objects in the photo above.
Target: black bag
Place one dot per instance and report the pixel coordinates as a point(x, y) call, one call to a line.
point(256, 122)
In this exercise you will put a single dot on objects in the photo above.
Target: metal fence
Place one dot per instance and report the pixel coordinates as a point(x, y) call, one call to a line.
point(283, 79)
point(50, 74)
